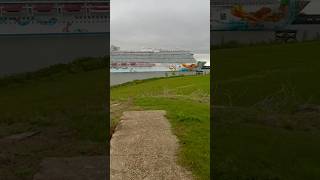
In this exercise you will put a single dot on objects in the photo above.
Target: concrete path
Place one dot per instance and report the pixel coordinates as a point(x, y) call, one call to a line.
point(143, 147)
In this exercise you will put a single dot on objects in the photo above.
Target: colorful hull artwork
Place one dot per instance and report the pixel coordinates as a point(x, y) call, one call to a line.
point(152, 67)
point(255, 15)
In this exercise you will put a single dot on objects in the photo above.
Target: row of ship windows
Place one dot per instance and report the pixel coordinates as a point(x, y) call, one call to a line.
point(76, 17)
point(32, 22)
point(91, 17)
point(148, 57)
point(162, 55)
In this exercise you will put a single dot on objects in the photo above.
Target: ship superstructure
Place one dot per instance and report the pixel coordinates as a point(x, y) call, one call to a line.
point(54, 17)
point(151, 60)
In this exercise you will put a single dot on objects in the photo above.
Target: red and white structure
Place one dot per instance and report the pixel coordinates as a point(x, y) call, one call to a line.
point(54, 17)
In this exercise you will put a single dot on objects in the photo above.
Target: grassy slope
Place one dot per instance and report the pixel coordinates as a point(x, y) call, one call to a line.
point(69, 110)
point(268, 83)
point(186, 100)
point(74, 97)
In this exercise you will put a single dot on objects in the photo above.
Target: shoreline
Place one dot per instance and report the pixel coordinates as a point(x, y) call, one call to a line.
point(127, 77)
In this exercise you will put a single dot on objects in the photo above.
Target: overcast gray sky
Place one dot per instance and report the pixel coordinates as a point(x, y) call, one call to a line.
point(167, 24)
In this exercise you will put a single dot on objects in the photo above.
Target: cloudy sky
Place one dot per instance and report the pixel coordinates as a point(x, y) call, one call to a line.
point(166, 24)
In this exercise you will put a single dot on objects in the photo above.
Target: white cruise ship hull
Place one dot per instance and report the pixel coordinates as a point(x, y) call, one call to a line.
point(158, 67)
point(55, 28)
point(151, 60)
point(37, 34)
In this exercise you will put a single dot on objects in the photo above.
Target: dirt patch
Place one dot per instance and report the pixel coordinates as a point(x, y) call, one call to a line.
point(18, 137)
point(143, 147)
point(21, 154)
point(74, 168)
point(116, 109)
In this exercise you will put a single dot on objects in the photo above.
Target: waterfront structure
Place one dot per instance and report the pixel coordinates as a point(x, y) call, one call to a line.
point(151, 60)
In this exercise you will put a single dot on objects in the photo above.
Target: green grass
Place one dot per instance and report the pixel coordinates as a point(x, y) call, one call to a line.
point(258, 133)
point(186, 100)
point(65, 103)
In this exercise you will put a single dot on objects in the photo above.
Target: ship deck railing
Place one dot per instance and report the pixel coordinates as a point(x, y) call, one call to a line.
point(58, 8)
point(53, 1)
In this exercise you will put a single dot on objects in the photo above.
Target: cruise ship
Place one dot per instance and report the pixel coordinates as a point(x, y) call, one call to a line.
point(39, 33)
point(152, 60)
point(231, 15)
point(54, 17)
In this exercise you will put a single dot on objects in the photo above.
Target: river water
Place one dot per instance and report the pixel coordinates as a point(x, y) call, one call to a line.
point(29, 53)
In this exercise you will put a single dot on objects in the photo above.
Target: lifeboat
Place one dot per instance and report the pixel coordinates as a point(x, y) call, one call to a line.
point(143, 64)
point(13, 8)
point(97, 8)
point(72, 7)
point(43, 7)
